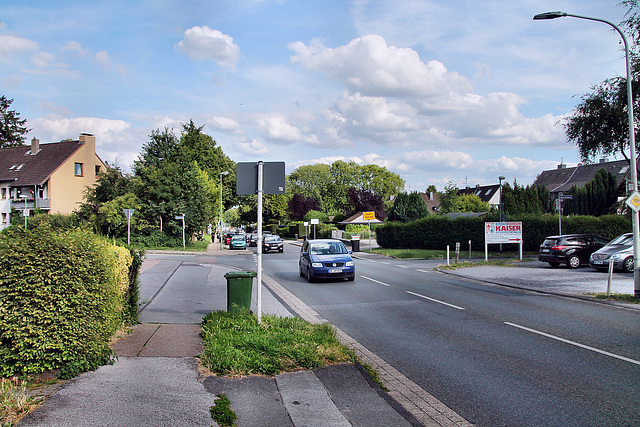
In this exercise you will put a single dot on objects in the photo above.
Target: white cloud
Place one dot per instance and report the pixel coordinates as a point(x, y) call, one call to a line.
point(253, 147)
point(370, 66)
point(225, 124)
point(106, 131)
point(74, 46)
point(276, 128)
point(11, 44)
point(203, 43)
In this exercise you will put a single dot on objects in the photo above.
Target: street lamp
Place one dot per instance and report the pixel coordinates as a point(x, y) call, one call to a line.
point(24, 213)
point(220, 219)
point(632, 143)
point(500, 179)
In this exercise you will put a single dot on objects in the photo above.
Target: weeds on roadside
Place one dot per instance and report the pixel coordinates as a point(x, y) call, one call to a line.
point(221, 411)
point(14, 403)
point(617, 297)
point(235, 344)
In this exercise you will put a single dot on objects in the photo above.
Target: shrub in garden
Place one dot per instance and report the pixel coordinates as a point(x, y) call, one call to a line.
point(62, 297)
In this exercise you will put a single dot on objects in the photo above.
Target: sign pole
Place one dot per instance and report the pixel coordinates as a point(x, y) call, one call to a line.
point(259, 279)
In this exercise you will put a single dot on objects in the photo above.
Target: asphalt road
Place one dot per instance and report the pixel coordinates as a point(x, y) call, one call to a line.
point(497, 356)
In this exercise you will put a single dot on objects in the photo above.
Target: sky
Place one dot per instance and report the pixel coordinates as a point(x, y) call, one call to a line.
point(457, 91)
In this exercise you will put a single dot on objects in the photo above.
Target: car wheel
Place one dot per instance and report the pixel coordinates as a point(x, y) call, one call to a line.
point(554, 264)
point(300, 271)
point(281, 250)
point(309, 276)
point(627, 265)
point(574, 262)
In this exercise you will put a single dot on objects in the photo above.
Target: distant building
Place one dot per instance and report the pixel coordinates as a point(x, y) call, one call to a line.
point(432, 201)
point(51, 177)
point(489, 194)
point(563, 178)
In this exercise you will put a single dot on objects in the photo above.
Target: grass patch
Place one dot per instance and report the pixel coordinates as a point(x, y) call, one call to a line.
point(616, 297)
point(438, 254)
point(221, 411)
point(190, 247)
point(496, 262)
point(236, 345)
point(14, 403)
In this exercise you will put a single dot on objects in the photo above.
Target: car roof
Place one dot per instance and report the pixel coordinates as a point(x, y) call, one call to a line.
point(564, 236)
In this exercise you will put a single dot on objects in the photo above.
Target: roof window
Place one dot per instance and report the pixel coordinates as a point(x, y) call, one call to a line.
point(20, 167)
point(13, 167)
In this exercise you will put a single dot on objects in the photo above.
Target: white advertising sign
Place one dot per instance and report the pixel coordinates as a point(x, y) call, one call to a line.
point(502, 232)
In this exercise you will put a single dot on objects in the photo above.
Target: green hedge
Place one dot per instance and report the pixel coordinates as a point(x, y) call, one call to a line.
point(436, 232)
point(62, 297)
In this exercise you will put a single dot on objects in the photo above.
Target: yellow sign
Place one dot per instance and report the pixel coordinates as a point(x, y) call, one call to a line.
point(368, 216)
point(633, 201)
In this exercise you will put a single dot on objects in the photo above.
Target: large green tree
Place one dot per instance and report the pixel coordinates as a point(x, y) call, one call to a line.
point(12, 128)
point(408, 207)
point(599, 124)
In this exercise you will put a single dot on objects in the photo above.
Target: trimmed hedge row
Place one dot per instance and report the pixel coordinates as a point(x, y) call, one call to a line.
point(63, 294)
point(436, 232)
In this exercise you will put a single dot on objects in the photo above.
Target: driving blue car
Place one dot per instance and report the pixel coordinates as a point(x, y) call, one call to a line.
point(326, 259)
point(238, 242)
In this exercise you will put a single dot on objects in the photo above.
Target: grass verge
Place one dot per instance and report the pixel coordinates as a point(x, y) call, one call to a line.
point(616, 297)
point(190, 247)
point(14, 403)
point(236, 345)
point(438, 254)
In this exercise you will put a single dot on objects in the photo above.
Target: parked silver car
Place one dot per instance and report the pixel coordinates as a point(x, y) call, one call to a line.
point(619, 249)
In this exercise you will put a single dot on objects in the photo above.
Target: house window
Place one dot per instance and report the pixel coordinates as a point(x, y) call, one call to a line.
point(4, 218)
point(4, 193)
point(78, 169)
point(98, 170)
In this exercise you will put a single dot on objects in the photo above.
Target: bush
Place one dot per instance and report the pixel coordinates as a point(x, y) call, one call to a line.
point(436, 232)
point(61, 299)
point(321, 216)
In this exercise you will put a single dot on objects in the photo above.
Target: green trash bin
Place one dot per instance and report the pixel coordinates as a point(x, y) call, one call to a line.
point(239, 285)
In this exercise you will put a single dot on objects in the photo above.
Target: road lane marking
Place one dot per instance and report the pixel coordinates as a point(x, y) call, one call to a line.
point(374, 280)
point(424, 271)
point(435, 300)
point(403, 266)
point(606, 353)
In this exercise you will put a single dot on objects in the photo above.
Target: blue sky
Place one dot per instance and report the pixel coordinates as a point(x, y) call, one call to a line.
point(458, 91)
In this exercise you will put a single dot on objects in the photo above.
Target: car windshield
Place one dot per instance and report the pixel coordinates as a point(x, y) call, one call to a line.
point(328, 248)
point(271, 238)
point(237, 238)
point(625, 239)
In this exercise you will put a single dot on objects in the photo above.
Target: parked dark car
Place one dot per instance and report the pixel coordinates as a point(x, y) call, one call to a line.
point(620, 250)
point(571, 249)
point(326, 259)
point(272, 243)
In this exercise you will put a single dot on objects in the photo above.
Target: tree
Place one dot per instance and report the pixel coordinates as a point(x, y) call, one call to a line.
point(599, 124)
point(365, 201)
point(408, 207)
point(471, 203)
point(448, 199)
point(12, 128)
point(596, 198)
point(299, 205)
point(519, 200)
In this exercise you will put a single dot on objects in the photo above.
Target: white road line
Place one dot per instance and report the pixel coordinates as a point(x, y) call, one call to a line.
point(424, 271)
point(374, 280)
point(606, 353)
point(435, 300)
point(402, 266)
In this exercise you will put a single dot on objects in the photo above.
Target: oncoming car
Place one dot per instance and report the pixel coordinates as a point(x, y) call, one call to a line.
point(326, 259)
point(238, 241)
point(272, 243)
point(620, 250)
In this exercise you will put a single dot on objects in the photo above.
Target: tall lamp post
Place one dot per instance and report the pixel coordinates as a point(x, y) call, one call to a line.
point(220, 219)
point(632, 143)
point(24, 213)
point(500, 179)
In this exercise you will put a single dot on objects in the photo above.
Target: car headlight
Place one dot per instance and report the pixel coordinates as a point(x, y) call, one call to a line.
point(316, 264)
point(349, 263)
point(616, 257)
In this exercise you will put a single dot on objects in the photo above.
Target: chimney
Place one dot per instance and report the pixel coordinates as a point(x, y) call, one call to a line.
point(430, 195)
point(35, 146)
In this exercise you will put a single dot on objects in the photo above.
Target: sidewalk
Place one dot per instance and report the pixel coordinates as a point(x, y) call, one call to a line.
point(156, 381)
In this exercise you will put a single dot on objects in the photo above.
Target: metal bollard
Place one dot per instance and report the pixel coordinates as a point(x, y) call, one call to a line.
point(610, 277)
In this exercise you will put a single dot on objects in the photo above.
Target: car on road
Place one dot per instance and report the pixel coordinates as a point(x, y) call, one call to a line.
point(253, 239)
point(570, 249)
point(619, 249)
point(326, 259)
point(238, 241)
point(272, 243)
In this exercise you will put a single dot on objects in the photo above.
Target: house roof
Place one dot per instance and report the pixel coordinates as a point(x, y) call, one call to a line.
point(358, 219)
point(562, 179)
point(432, 201)
point(21, 168)
point(485, 192)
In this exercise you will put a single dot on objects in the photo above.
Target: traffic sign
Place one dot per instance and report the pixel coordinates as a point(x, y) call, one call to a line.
point(633, 201)
point(128, 212)
point(368, 216)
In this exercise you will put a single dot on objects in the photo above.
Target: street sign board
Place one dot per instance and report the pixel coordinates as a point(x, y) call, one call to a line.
point(128, 212)
point(25, 212)
point(502, 232)
point(315, 221)
point(180, 217)
point(273, 178)
point(368, 216)
point(633, 201)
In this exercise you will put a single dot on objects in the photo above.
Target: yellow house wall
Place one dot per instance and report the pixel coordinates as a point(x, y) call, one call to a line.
point(65, 189)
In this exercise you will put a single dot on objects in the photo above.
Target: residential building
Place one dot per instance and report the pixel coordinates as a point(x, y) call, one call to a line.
point(51, 177)
point(489, 194)
point(563, 178)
